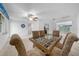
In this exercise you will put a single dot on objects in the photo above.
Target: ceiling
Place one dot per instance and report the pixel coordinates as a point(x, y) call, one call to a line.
point(42, 10)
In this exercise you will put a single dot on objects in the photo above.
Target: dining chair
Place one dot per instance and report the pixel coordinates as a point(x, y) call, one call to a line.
point(60, 45)
point(17, 42)
point(37, 34)
point(42, 33)
point(19, 45)
point(56, 33)
point(71, 38)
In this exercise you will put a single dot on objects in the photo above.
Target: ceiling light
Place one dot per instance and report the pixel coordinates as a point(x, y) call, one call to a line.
point(32, 17)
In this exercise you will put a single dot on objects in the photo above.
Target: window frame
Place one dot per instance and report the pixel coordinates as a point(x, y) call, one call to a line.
point(63, 23)
point(3, 25)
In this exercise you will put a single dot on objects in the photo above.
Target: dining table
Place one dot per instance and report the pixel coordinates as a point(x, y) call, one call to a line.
point(46, 43)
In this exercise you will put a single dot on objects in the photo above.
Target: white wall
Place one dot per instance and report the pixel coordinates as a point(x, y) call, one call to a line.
point(35, 25)
point(15, 28)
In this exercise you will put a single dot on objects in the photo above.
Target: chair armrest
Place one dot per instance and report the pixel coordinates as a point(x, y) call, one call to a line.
point(56, 52)
point(59, 45)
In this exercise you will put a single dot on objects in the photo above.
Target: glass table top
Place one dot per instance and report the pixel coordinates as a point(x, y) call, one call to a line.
point(45, 41)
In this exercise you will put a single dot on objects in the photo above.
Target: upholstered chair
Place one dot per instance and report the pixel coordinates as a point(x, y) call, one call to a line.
point(56, 33)
point(37, 34)
point(42, 33)
point(35, 52)
point(71, 38)
point(17, 42)
point(60, 45)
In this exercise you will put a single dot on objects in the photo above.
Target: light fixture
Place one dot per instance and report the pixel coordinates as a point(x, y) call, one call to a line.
point(32, 17)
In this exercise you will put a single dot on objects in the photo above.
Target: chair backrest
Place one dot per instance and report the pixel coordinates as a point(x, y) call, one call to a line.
point(37, 34)
point(56, 33)
point(68, 44)
point(66, 37)
point(17, 42)
point(42, 33)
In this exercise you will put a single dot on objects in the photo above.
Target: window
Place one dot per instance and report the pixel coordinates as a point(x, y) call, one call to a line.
point(2, 24)
point(64, 27)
